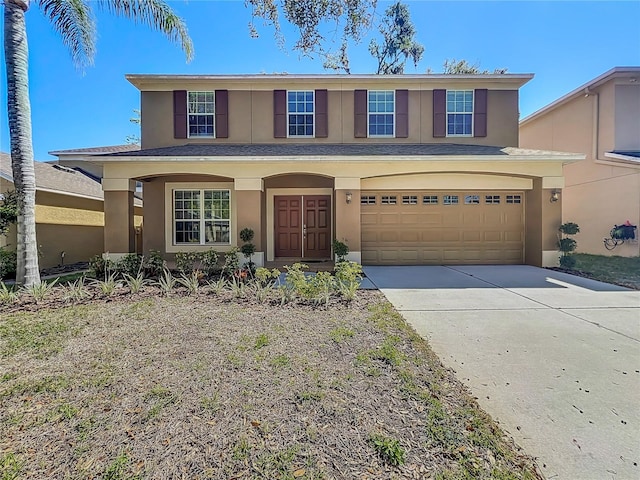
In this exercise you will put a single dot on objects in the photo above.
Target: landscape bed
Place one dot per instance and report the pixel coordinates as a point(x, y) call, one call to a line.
point(208, 385)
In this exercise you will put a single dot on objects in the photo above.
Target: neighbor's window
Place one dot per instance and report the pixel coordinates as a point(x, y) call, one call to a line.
point(514, 198)
point(409, 199)
point(450, 199)
point(201, 108)
point(492, 199)
point(381, 113)
point(459, 112)
point(472, 199)
point(201, 217)
point(388, 200)
point(430, 199)
point(300, 114)
point(367, 200)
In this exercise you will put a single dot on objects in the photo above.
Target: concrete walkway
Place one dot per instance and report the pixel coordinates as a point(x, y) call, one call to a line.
point(554, 358)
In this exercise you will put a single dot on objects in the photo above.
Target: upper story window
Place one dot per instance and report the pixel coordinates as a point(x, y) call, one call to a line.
point(201, 114)
point(381, 113)
point(459, 112)
point(300, 113)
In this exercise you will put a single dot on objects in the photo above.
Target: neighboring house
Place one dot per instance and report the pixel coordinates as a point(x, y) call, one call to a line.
point(407, 169)
point(602, 120)
point(69, 213)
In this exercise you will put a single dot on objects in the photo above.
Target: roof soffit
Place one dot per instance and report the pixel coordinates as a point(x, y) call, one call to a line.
point(345, 82)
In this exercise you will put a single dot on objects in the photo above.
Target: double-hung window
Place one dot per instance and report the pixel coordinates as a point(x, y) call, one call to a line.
point(381, 113)
point(300, 111)
point(459, 112)
point(201, 114)
point(201, 217)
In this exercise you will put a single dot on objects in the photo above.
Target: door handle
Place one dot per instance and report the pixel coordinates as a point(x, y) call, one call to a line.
point(304, 231)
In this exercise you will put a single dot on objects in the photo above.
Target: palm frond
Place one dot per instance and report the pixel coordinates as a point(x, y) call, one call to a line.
point(74, 21)
point(158, 15)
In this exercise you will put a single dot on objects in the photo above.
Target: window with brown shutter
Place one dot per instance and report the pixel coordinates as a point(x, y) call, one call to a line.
point(322, 118)
point(222, 114)
point(439, 113)
point(402, 113)
point(280, 114)
point(179, 114)
point(480, 113)
point(360, 114)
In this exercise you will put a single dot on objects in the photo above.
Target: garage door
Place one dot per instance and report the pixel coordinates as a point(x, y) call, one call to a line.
point(438, 228)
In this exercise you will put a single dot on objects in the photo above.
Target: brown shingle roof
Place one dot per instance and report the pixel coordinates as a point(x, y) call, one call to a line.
point(56, 178)
point(98, 150)
point(324, 149)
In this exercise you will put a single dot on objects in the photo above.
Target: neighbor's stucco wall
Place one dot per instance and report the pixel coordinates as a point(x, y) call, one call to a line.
point(598, 193)
point(251, 119)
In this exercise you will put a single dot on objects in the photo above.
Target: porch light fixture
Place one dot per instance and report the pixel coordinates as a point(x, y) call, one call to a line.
point(349, 197)
point(555, 196)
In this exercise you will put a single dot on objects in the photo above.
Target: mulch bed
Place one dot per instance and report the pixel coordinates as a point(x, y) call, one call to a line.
point(209, 386)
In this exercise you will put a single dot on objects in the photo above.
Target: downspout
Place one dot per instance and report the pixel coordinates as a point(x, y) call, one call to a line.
point(595, 144)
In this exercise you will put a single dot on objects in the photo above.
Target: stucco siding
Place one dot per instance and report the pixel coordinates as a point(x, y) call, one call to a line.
point(251, 119)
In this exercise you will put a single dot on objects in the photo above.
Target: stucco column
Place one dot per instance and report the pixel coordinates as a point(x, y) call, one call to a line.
point(119, 230)
point(348, 215)
point(543, 217)
point(248, 193)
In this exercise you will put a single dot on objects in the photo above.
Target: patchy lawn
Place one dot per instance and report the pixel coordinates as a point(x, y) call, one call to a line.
point(205, 386)
point(623, 271)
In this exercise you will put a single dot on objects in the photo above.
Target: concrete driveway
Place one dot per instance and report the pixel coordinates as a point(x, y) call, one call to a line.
point(554, 358)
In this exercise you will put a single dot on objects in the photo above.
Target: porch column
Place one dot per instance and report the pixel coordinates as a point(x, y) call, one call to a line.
point(119, 230)
point(543, 217)
point(347, 208)
point(248, 192)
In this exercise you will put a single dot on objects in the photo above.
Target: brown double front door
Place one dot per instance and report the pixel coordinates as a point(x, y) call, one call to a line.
point(303, 226)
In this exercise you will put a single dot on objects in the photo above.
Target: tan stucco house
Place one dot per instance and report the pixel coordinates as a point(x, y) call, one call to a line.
point(69, 213)
point(602, 120)
point(407, 169)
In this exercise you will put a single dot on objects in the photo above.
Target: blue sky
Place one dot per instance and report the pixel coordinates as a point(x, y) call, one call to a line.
point(564, 43)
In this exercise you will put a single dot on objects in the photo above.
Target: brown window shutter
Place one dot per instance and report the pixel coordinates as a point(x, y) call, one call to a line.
point(280, 114)
point(439, 113)
point(480, 112)
point(222, 114)
point(179, 114)
point(322, 120)
point(402, 113)
point(360, 114)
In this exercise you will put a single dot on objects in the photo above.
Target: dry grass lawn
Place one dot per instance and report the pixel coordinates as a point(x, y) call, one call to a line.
point(210, 387)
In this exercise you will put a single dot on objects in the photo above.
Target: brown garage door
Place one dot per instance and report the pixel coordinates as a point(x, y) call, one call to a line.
point(437, 227)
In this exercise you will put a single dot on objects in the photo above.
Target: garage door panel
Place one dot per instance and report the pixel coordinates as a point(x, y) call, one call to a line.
point(471, 236)
point(434, 233)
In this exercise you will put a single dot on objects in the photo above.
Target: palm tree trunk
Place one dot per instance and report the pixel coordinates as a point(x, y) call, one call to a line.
point(19, 110)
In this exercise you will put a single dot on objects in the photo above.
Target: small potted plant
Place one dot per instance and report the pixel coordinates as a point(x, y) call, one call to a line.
point(567, 245)
point(248, 249)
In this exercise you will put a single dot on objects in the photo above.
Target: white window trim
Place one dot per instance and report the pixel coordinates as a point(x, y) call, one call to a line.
point(213, 115)
point(169, 225)
point(393, 134)
point(473, 99)
point(313, 135)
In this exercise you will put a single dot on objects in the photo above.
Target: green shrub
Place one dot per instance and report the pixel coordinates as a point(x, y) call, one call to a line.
point(340, 250)
point(101, 267)
point(567, 245)
point(153, 264)
point(209, 262)
point(8, 263)
point(185, 262)
point(348, 278)
point(130, 264)
point(231, 262)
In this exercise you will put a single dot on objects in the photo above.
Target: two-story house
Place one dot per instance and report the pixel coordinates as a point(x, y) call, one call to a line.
point(407, 169)
point(602, 120)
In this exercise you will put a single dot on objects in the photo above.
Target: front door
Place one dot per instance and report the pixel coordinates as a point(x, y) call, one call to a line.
point(303, 226)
